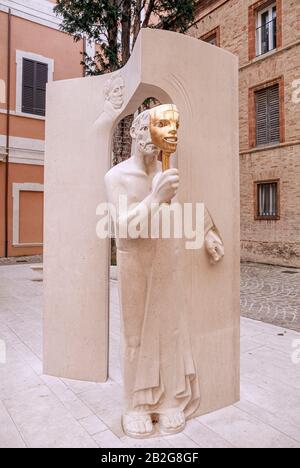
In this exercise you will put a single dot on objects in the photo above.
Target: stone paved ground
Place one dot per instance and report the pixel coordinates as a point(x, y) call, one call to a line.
point(41, 411)
point(271, 294)
point(268, 293)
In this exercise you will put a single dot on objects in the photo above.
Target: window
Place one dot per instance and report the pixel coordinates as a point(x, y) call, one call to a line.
point(33, 72)
point(267, 116)
point(26, 197)
point(266, 30)
point(265, 27)
point(212, 37)
point(267, 200)
point(35, 77)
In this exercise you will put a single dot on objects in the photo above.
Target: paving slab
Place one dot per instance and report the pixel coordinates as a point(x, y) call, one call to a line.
point(43, 411)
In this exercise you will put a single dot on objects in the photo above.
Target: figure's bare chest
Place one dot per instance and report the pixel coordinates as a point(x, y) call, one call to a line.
point(138, 187)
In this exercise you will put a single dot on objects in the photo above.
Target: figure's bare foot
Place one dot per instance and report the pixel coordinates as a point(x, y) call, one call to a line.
point(171, 421)
point(138, 425)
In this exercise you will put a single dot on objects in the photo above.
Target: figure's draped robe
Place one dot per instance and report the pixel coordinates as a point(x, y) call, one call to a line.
point(157, 360)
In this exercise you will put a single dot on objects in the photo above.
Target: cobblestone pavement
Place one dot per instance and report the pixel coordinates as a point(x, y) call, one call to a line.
point(17, 260)
point(271, 294)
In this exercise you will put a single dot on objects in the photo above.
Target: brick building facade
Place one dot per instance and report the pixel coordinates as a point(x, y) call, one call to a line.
point(266, 36)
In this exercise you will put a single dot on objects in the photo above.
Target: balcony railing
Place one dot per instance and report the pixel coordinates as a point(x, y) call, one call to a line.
point(266, 37)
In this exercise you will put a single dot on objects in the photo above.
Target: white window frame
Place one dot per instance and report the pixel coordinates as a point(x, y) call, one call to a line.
point(17, 188)
point(258, 35)
point(2, 92)
point(20, 55)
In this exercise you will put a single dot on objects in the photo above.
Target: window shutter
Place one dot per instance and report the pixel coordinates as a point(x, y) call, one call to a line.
point(35, 77)
point(261, 117)
point(267, 116)
point(40, 90)
point(274, 114)
point(28, 86)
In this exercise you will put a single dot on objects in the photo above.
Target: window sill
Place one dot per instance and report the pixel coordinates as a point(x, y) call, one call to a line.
point(28, 116)
point(23, 114)
point(265, 55)
point(267, 218)
point(27, 245)
point(269, 54)
point(260, 149)
point(266, 146)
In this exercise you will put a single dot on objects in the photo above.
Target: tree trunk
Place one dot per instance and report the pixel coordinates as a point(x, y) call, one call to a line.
point(126, 30)
point(112, 32)
point(137, 21)
point(149, 11)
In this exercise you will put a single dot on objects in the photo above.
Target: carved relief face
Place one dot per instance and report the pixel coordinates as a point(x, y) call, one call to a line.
point(140, 132)
point(115, 93)
point(164, 124)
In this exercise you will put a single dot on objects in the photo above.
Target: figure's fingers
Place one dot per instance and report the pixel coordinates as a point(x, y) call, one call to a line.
point(210, 247)
point(174, 179)
point(172, 171)
point(217, 255)
point(141, 428)
point(220, 250)
point(148, 426)
point(178, 420)
point(133, 427)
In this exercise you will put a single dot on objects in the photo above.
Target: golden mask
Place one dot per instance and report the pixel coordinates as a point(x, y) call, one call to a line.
point(164, 124)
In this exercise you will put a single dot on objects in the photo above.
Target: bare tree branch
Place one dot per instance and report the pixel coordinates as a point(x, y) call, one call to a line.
point(126, 30)
point(149, 10)
point(137, 20)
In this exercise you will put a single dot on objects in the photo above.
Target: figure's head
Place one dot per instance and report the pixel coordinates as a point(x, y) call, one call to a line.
point(140, 133)
point(164, 124)
point(114, 92)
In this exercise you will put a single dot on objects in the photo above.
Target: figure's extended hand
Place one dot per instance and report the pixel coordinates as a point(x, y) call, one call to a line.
point(165, 186)
point(214, 247)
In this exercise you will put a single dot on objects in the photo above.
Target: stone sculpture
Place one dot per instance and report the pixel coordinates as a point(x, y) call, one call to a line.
point(160, 376)
point(197, 299)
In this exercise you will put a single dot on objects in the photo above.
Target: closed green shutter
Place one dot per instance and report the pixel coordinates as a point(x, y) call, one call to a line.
point(35, 77)
point(267, 116)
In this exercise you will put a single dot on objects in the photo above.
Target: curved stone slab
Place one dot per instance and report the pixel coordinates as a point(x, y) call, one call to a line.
point(202, 80)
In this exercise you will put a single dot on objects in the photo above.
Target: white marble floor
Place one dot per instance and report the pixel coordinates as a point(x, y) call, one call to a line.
point(41, 411)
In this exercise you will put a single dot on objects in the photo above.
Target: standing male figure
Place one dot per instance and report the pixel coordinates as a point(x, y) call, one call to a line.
point(160, 376)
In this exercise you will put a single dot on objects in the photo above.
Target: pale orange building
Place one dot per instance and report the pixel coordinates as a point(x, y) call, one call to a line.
point(32, 52)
